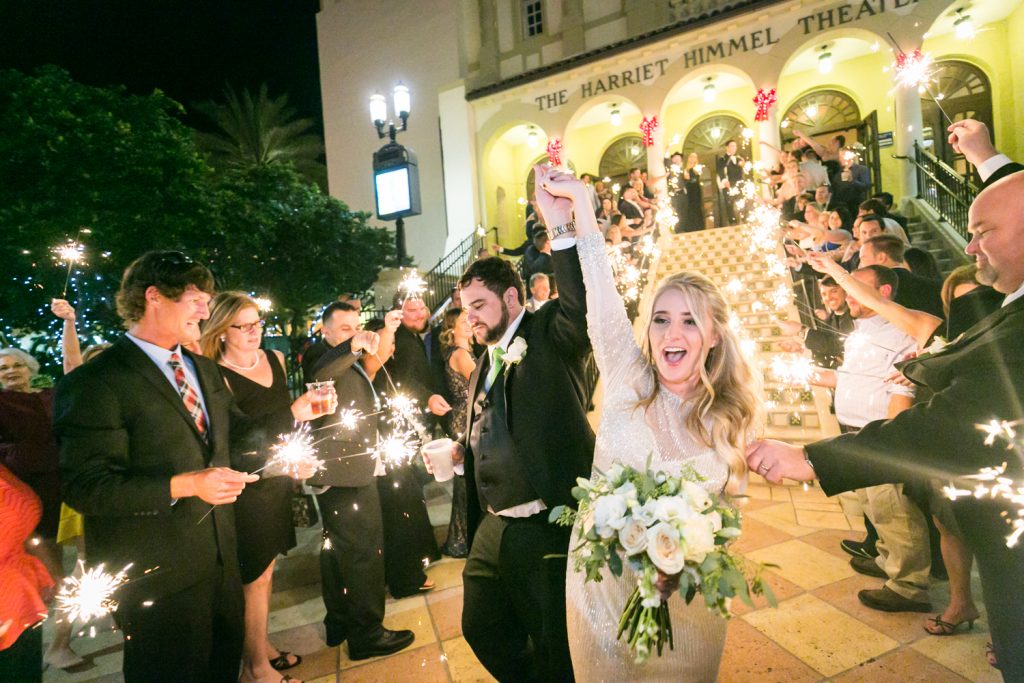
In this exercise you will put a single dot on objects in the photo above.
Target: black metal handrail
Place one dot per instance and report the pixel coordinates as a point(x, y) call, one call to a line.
point(443, 277)
point(943, 189)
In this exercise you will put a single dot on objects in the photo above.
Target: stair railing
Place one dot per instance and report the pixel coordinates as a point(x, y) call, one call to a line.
point(943, 189)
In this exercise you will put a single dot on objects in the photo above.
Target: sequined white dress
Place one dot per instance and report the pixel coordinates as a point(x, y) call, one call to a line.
point(629, 434)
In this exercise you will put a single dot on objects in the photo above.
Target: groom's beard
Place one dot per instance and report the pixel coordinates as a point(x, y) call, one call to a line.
point(494, 334)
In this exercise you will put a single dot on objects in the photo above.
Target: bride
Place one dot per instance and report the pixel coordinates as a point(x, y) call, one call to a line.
point(683, 395)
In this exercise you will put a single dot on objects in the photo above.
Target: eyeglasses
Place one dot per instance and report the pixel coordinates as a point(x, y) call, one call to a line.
point(249, 327)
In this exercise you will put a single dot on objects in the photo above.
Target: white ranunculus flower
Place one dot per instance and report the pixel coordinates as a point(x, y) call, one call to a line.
point(698, 496)
point(633, 536)
point(664, 549)
point(628, 492)
point(698, 537)
point(672, 509)
point(609, 515)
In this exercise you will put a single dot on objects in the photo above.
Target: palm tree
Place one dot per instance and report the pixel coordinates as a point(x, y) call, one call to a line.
point(260, 131)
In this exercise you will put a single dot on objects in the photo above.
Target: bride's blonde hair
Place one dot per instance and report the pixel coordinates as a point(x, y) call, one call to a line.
point(728, 396)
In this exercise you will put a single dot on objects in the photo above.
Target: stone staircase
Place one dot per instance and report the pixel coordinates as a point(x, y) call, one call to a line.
point(928, 232)
point(795, 414)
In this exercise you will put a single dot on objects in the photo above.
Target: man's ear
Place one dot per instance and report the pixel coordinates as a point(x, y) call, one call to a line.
point(153, 294)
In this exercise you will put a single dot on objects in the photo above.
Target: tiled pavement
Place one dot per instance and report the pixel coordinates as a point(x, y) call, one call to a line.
point(818, 632)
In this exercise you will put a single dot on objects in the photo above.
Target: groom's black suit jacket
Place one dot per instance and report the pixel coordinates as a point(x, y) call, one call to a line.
point(1002, 172)
point(545, 395)
point(124, 432)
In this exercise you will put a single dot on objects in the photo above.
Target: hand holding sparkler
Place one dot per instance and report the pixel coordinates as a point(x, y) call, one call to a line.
point(392, 321)
point(972, 139)
point(366, 341)
point(215, 485)
point(438, 405)
point(63, 310)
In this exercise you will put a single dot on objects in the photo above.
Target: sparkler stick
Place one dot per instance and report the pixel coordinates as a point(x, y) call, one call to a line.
point(71, 252)
point(914, 71)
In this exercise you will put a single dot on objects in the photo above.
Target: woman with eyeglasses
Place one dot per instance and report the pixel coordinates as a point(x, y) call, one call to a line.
point(263, 514)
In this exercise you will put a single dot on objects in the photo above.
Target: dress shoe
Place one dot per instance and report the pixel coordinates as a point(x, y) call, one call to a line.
point(887, 600)
point(863, 565)
point(388, 642)
point(335, 635)
point(859, 548)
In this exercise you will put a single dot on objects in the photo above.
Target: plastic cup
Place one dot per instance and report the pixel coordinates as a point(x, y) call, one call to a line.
point(439, 452)
point(322, 396)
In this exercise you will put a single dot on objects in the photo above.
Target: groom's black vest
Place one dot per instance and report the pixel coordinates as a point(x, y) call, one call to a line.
point(501, 481)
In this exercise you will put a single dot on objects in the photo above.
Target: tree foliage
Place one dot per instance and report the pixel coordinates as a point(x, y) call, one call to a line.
point(127, 170)
point(261, 131)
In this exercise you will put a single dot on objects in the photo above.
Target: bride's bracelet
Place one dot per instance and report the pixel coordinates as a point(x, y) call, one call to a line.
point(559, 230)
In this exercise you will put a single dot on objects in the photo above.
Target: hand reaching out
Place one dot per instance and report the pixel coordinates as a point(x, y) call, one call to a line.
point(63, 310)
point(366, 341)
point(393, 320)
point(554, 198)
point(972, 139)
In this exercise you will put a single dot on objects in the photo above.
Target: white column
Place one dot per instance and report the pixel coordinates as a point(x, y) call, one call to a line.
point(656, 160)
point(768, 132)
point(909, 126)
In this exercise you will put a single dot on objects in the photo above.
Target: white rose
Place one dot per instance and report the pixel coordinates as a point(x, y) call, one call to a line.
point(698, 537)
point(633, 536)
point(516, 351)
point(609, 515)
point(647, 513)
point(664, 549)
point(715, 518)
point(672, 509)
point(700, 498)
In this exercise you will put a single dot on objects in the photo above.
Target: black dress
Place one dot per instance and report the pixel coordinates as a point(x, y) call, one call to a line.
point(263, 512)
point(693, 216)
point(457, 543)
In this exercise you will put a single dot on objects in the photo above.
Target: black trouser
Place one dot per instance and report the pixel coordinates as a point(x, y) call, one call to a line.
point(193, 635)
point(352, 569)
point(23, 660)
point(513, 614)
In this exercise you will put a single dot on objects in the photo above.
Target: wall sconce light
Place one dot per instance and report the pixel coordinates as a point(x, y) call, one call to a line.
point(710, 91)
point(531, 138)
point(963, 27)
point(825, 61)
point(616, 116)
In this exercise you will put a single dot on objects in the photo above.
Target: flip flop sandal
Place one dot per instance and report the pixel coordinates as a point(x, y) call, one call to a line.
point(281, 663)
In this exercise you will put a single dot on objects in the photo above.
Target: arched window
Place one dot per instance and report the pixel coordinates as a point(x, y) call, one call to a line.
point(964, 92)
point(623, 154)
point(708, 140)
point(819, 113)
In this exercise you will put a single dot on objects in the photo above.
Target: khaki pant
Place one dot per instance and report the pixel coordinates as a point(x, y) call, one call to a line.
point(904, 553)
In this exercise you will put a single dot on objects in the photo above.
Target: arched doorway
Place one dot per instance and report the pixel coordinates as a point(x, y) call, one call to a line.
point(708, 140)
point(964, 91)
point(623, 154)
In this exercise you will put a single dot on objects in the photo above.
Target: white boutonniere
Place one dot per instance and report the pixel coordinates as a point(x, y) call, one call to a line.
point(514, 354)
point(939, 344)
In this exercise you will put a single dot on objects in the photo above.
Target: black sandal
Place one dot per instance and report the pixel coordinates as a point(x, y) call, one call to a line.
point(281, 663)
point(945, 628)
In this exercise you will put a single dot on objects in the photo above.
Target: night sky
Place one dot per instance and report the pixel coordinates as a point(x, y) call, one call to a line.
point(189, 49)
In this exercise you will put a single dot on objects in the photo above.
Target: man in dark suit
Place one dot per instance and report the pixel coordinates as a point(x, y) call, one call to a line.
point(352, 568)
point(409, 367)
point(526, 441)
point(148, 436)
point(913, 291)
point(730, 173)
point(975, 379)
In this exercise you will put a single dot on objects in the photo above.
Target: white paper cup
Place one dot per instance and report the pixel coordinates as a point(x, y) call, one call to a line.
point(439, 452)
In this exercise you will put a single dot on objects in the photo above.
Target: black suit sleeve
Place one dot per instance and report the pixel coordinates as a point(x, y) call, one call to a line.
point(335, 361)
point(97, 474)
point(1002, 172)
point(518, 251)
point(936, 439)
point(568, 329)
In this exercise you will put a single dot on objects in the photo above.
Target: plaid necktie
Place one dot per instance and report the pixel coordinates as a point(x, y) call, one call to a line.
point(497, 353)
point(188, 394)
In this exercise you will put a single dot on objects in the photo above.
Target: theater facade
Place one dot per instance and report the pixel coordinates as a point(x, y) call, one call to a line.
point(584, 75)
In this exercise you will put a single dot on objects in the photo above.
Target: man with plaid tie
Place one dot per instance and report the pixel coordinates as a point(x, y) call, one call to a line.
point(148, 436)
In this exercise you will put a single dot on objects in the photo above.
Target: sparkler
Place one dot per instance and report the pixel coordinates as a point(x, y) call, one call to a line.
point(263, 304)
point(91, 595)
point(397, 449)
point(792, 370)
point(412, 285)
point(294, 454)
point(348, 418)
point(915, 70)
point(71, 252)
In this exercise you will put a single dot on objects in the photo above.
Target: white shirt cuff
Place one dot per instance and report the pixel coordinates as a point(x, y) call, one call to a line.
point(460, 469)
point(989, 166)
point(563, 243)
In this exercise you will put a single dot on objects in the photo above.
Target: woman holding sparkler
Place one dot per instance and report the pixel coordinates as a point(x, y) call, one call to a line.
point(457, 343)
point(684, 395)
point(263, 513)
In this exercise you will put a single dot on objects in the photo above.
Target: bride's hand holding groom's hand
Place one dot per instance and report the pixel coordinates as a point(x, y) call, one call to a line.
point(557, 194)
point(777, 460)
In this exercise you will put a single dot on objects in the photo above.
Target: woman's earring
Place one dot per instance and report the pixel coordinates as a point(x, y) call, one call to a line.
point(223, 338)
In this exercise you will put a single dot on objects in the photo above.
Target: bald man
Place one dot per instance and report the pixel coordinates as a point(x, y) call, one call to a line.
point(975, 379)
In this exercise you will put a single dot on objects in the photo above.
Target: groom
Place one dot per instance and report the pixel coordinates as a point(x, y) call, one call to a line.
point(525, 442)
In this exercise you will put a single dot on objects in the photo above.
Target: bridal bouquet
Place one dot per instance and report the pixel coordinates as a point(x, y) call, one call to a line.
point(672, 533)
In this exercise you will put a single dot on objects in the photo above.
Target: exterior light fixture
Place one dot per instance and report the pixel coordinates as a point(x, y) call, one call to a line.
point(811, 110)
point(716, 133)
point(963, 27)
point(531, 138)
point(710, 91)
point(378, 109)
point(825, 61)
point(401, 102)
point(616, 116)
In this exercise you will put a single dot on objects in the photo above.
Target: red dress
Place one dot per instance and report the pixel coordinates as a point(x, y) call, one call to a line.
point(22, 576)
point(29, 449)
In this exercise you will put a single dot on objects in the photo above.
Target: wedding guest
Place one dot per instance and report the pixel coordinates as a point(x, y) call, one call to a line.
point(922, 263)
point(874, 207)
point(887, 201)
point(165, 506)
point(683, 395)
point(457, 341)
point(351, 557)
point(693, 215)
point(630, 207)
point(541, 261)
point(540, 292)
point(913, 291)
point(976, 379)
point(812, 169)
point(730, 172)
point(527, 441)
point(605, 213)
point(972, 139)
point(231, 337)
point(23, 583)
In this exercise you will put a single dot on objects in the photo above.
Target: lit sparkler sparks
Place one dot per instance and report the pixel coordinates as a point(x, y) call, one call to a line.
point(348, 418)
point(91, 595)
point(263, 303)
point(397, 449)
point(734, 287)
point(70, 252)
point(295, 453)
point(412, 285)
point(793, 370)
point(781, 296)
point(913, 70)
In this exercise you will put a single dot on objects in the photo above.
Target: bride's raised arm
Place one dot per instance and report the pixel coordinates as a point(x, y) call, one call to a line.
point(611, 334)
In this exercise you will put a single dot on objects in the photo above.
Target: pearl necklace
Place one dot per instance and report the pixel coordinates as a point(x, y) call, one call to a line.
point(239, 367)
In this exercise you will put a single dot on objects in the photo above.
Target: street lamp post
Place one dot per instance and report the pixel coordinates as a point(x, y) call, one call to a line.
point(396, 179)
